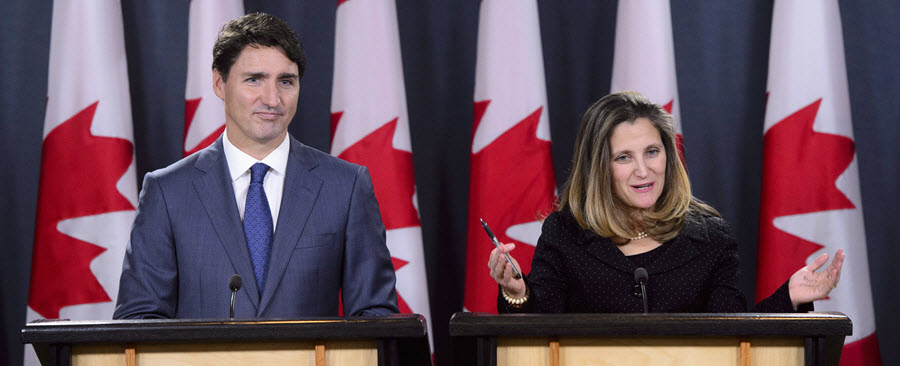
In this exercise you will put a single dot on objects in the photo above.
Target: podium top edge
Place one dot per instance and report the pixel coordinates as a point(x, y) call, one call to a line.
point(654, 324)
point(823, 315)
point(395, 318)
point(214, 330)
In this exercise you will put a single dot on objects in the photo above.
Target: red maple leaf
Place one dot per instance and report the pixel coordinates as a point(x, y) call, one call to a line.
point(668, 106)
point(335, 119)
point(679, 140)
point(511, 182)
point(79, 172)
point(392, 178)
point(391, 171)
point(190, 109)
point(404, 307)
point(800, 167)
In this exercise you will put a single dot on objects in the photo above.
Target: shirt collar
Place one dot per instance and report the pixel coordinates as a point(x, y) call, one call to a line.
point(239, 162)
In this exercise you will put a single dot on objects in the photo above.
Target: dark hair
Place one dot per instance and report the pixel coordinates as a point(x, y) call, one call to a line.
point(589, 194)
point(255, 30)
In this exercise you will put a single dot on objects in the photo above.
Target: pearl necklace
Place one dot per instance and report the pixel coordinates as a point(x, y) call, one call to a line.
point(640, 236)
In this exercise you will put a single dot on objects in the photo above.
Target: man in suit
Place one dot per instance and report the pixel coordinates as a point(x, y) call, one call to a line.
point(301, 228)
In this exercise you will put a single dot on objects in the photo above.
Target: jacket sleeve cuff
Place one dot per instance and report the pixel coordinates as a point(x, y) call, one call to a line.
point(780, 302)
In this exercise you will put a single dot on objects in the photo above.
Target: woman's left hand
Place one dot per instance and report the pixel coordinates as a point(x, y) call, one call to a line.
point(807, 286)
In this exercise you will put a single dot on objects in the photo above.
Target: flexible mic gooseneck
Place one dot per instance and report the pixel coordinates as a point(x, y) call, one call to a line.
point(641, 277)
point(234, 283)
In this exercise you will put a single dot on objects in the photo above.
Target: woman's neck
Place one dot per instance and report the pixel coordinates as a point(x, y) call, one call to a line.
point(639, 246)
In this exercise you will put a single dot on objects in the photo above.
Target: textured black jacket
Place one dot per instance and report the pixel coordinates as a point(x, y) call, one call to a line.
point(577, 271)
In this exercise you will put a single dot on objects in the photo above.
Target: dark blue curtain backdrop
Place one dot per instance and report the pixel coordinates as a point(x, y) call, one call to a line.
point(722, 57)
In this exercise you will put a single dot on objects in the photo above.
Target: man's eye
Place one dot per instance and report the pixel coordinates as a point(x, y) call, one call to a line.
point(253, 80)
point(287, 82)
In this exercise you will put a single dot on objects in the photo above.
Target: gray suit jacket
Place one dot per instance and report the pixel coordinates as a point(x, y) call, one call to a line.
point(188, 239)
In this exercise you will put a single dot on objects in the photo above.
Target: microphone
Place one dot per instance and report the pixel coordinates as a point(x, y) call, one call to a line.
point(641, 277)
point(234, 283)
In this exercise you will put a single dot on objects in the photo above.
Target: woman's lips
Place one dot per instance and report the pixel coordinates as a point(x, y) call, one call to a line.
point(641, 188)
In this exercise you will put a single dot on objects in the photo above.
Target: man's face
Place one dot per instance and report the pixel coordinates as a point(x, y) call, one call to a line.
point(260, 97)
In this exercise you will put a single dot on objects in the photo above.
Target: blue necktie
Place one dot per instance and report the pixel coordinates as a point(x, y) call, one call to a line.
point(258, 224)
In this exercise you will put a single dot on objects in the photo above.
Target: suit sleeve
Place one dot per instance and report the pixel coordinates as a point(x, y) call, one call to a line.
point(724, 294)
point(546, 282)
point(780, 302)
point(148, 287)
point(368, 273)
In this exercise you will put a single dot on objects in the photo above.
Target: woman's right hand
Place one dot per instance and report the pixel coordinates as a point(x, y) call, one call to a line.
point(502, 271)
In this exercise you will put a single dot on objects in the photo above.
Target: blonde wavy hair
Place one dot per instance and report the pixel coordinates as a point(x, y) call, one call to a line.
point(589, 194)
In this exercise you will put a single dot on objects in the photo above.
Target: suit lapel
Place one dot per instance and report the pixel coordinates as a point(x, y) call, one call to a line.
point(606, 251)
point(216, 192)
point(682, 248)
point(301, 189)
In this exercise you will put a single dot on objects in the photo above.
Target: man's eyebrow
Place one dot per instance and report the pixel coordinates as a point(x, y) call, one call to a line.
point(287, 75)
point(258, 75)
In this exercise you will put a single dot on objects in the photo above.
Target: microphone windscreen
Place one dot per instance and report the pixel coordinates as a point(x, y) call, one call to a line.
point(640, 275)
point(235, 282)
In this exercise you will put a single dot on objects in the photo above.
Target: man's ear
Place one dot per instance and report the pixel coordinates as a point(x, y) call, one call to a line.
point(218, 84)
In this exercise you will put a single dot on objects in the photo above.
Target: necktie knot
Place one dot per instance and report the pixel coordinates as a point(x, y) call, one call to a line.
point(258, 172)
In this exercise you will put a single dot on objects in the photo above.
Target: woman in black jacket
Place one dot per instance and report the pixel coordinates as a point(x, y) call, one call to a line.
point(627, 204)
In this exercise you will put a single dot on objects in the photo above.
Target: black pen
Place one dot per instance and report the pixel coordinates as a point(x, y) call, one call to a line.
point(517, 275)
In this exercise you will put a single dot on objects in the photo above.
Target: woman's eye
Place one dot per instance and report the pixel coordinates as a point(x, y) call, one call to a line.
point(621, 158)
point(653, 152)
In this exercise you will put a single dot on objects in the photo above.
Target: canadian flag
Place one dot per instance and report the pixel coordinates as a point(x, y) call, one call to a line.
point(811, 200)
point(88, 184)
point(204, 113)
point(644, 56)
point(512, 184)
point(369, 126)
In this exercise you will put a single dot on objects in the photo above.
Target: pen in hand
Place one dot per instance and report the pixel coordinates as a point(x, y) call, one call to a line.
point(517, 275)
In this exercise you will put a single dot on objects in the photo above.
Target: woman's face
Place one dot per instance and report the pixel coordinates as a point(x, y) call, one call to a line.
point(638, 163)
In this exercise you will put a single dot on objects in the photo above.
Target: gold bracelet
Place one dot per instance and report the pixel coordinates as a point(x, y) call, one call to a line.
point(514, 302)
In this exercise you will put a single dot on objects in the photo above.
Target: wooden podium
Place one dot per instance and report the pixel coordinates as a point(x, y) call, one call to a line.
point(394, 340)
point(649, 339)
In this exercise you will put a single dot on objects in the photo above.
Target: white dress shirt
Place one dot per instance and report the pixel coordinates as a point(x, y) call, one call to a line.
point(239, 164)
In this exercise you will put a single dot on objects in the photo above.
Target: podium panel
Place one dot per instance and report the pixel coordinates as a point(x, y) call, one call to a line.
point(282, 353)
point(523, 351)
point(98, 355)
point(648, 339)
point(393, 340)
point(778, 351)
point(648, 351)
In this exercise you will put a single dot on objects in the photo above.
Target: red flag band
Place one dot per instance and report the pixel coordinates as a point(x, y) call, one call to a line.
point(88, 188)
point(512, 184)
point(370, 127)
point(204, 113)
point(811, 200)
point(644, 56)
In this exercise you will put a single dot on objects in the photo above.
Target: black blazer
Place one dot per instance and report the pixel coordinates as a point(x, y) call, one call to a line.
point(577, 271)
